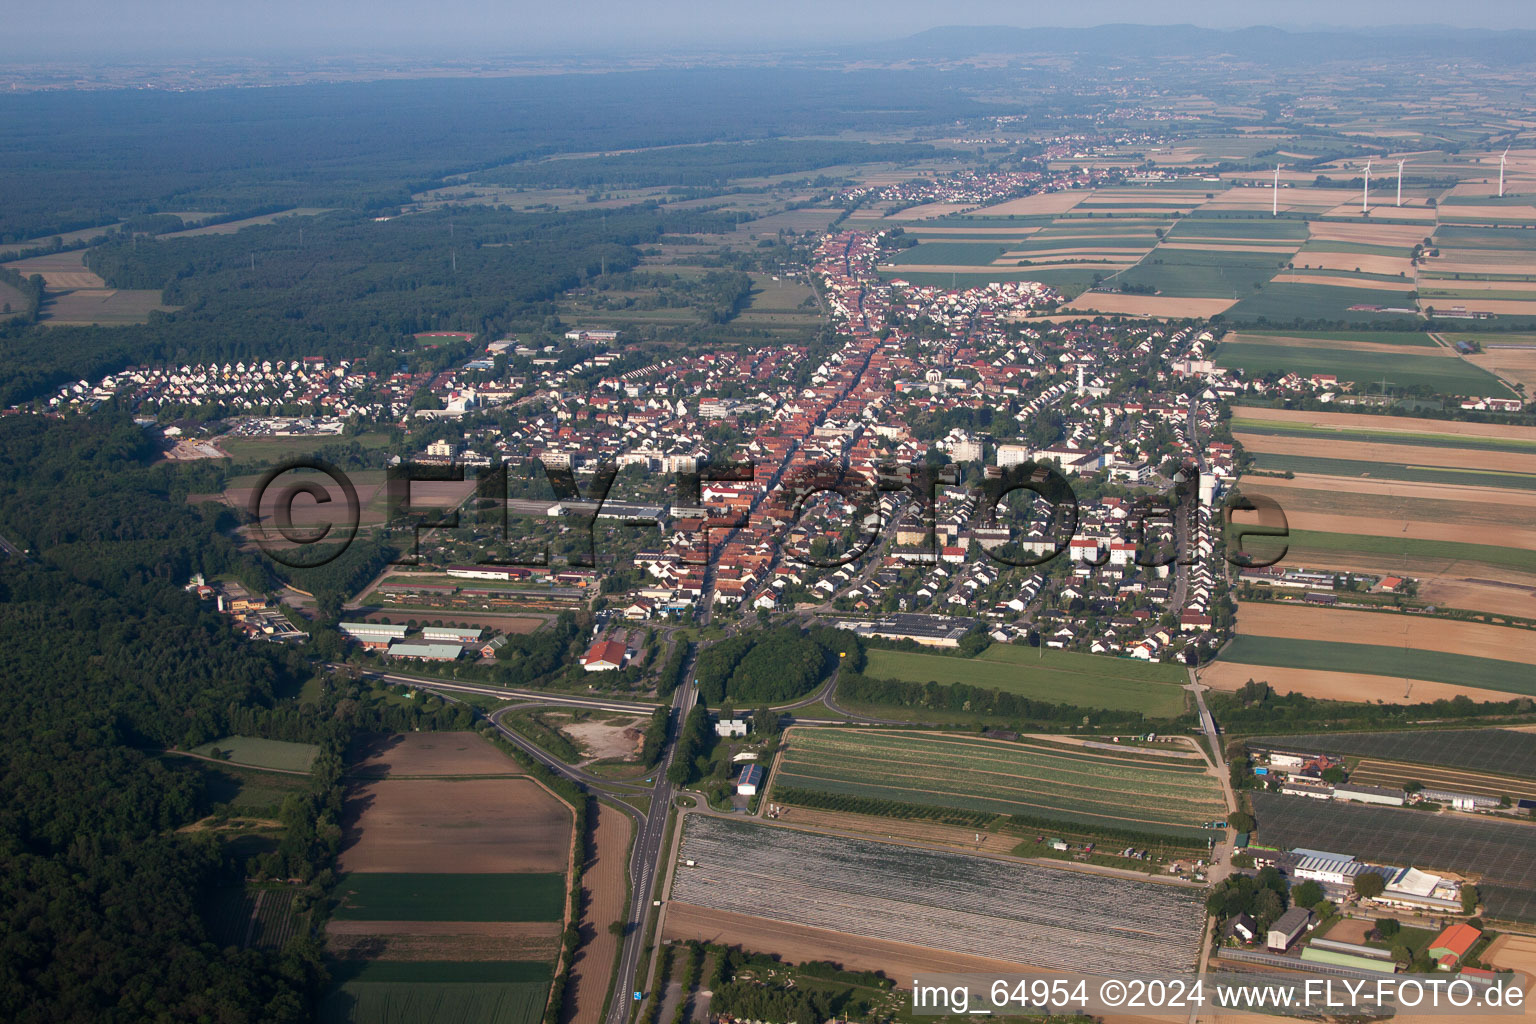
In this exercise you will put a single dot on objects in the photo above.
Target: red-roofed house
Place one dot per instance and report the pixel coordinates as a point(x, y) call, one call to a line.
point(1451, 945)
point(604, 656)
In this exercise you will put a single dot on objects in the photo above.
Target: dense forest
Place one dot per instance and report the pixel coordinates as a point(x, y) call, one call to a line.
point(84, 159)
point(696, 166)
point(105, 661)
point(778, 665)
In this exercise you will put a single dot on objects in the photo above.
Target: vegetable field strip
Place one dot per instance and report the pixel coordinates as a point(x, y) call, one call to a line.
point(1082, 786)
point(1028, 914)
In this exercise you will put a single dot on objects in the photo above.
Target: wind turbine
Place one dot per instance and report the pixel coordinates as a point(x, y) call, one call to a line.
point(1501, 171)
point(1276, 193)
point(1365, 193)
point(1400, 182)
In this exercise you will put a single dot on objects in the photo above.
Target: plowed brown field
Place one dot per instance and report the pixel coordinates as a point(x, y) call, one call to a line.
point(451, 826)
point(1353, 686)
point(1390, 629)
point(1394, 454)
point(429, 753)
point(604, 883)
point(1367, 421)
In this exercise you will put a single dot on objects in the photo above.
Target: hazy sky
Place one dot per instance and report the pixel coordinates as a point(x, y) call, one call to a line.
point(137, 28)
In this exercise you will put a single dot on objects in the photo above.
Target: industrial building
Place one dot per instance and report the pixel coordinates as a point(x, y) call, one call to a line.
point(1451, 946)
point(1360, 958)
point(1288, 928)
point(373, 635)
point(605, 656)
point(425, 652)
point(928, 630)
point(749, 780)
point(1369, 795)
point(451, 635)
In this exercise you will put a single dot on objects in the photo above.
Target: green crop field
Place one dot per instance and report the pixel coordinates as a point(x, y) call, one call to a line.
point(1484, 238)
point(1036, 778)
point(1420, 339)
point(1257, 425)
point(1088, 680)
point(1392, 471)
point(1358, 248)
point(1278, 228)
point(1444, 375)
point(424, 992)
point(260, 753)
point(1374, 659)
point(382, 896)
point(959, 254)
point(1286, 303)
point(1193, 272)
point(1466, 442)
point(1301, 541)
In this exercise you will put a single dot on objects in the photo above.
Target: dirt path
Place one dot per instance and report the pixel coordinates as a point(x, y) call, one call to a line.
point(604, 884)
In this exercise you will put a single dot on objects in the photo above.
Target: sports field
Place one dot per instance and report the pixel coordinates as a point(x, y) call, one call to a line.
point(1123, 790)
point(1401, 662)
point(1039, 673)
point(380, 896)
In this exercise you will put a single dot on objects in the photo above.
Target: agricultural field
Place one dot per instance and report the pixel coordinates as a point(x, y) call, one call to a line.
point(1408, 657)
point(1035, 779)
point(396, 755)
point(1388, 629)
point(1367, 659)
point(1396, 775)
point(61, 271)
point(1283, 302)
point(418, 896)
point(446, 858)
point(1004, 911)
point(1499, 855)
point(247, 791)
point(484, 992)
point(1087, 680)
point(105, 307)
point(252, 751)
point(1442, 373)
point(1495, 751)
point(1449, 503)
point(1470, 476)
point(605, 887)
point(1512, 357)
point(468, 825)
point(253, 917)
point(1353, 423)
